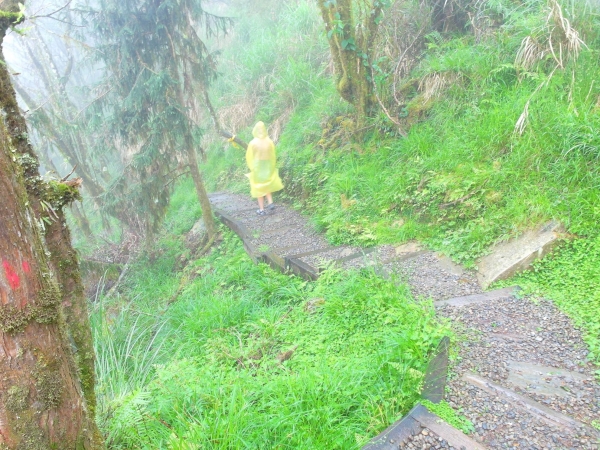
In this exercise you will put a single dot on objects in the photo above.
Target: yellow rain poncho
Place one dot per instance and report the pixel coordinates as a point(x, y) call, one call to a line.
point(260, 157)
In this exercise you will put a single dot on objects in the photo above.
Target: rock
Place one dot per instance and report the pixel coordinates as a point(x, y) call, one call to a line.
point(518, 254)
point(409, 247)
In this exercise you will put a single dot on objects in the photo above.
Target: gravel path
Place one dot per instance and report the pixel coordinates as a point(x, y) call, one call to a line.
point(427, 440)
point(324, 258)
point(520, 373)
point(428, 277)
point(532, 349)
point(379, 256)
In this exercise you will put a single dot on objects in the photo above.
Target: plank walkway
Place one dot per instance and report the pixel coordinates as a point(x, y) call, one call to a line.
point(510, 380)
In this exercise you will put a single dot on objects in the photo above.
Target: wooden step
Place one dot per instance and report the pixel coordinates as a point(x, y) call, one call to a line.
point(485, 297)
point(536, 409)
point(418, 418)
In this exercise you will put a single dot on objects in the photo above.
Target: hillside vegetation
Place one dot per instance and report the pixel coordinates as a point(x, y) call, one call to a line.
point(497, 135)
point(480, 140)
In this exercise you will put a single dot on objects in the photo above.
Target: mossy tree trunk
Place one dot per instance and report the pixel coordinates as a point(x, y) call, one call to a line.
point(351, 30)
point(65, 264)
point(43, 401)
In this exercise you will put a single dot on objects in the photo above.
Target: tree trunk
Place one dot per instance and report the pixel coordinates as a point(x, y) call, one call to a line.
point(350, 41)
point(207, 215)
point(74, 303)
point(42, 403)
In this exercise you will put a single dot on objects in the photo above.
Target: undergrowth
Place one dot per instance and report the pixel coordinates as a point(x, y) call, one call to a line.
point(251, 358)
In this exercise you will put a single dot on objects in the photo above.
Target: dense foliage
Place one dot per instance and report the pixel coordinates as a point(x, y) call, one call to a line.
point(157, 67)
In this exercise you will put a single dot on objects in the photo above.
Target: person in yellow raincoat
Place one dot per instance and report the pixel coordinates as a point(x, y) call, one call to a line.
point(263, 176)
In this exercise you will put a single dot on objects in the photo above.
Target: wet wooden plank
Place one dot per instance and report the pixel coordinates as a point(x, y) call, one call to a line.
point(454, 437)
point(479, 298)
point(435, 377)
point(300, 268)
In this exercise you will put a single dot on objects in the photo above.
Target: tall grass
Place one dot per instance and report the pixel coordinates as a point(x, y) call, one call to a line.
point(251, 358)
point(127, 346)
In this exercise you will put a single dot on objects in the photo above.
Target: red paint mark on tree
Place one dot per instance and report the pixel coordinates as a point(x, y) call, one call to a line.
point(26, 267)
point(11, 276)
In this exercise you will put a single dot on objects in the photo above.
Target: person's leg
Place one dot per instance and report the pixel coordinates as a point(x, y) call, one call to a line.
point(269, 199)
point(261, 203)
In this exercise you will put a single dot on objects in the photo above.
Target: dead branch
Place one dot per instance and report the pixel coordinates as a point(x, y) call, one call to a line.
point(70, 173)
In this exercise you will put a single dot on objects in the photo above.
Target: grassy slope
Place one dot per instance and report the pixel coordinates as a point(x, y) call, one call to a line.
point(210, 372)
point(462, 179)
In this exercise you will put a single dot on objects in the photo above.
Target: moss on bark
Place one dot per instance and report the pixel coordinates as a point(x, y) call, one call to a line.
point(49, 386)
point(44, 309)
point(350, 41)
point(16, 398)
point(8, 19)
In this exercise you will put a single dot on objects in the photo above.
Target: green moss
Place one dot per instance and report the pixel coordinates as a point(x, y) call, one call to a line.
point(47, 305)
point(59, 194)
point(28, 163)
point(45, 309)
point(49, 387)
point(12, 319)
point(33, 181)
point(16, 399)
point(344, 88)
point(10, 15)
point(56, 193)
point(8, 19)
point(32, 437)
point(23, 421)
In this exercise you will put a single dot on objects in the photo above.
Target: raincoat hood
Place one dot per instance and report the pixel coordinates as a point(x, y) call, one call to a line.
point(260, 131)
